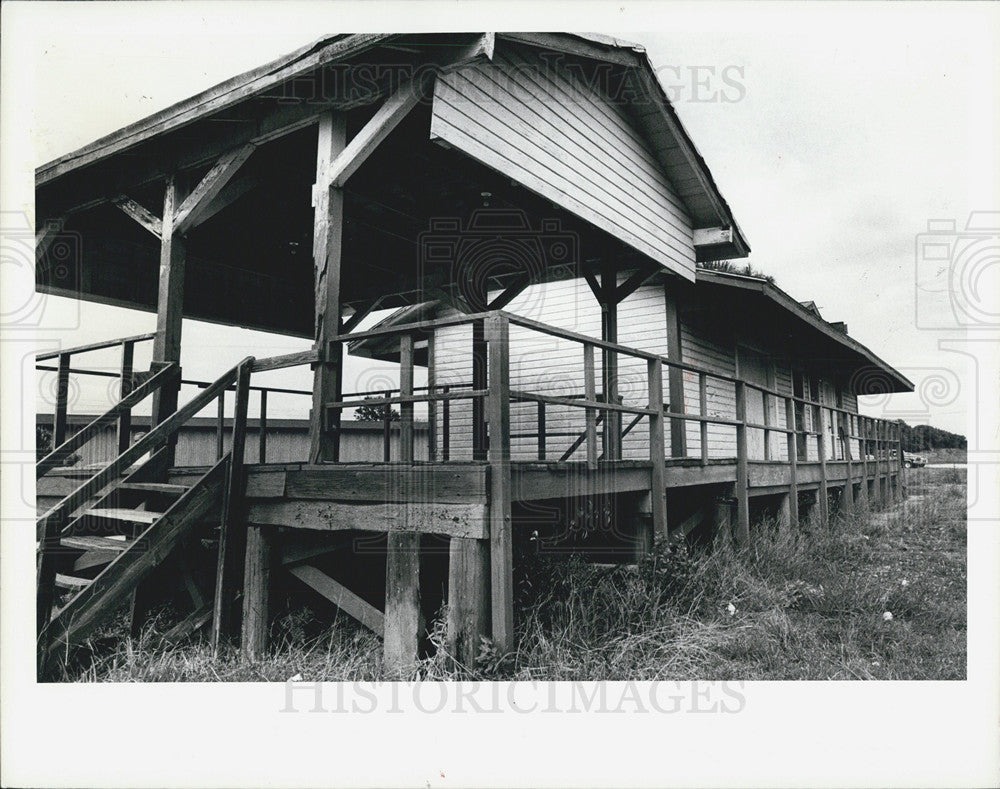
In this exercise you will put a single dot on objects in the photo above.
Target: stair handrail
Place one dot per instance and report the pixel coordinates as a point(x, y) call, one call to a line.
point(59, 513)
point(81, 437)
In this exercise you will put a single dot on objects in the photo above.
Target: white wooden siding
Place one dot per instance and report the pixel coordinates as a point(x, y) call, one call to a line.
point(698, 349)
point(538, 125)
point(542, 364)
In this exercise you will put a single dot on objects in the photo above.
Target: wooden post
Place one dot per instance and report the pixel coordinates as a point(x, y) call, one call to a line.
point(501, 553)
point(402, 601)
point(387, 430)
point(479, 364)
point(445, 426)
point(765, 400)
point(169, 307)
point(675, 376)
point(899, 457)
point(847, 502)
point(328, 222)
point(220, 426)
point(125, 387)
point(590, 393)
point(703, 410)
point(541, 431)
point(262, 435)
point(62, 397)
point(256, 590)
point(822, 494)
point(722, 526)
point(468, 596)
point(232, 534)
point(657, 450)
point(793, 463)
point(863, 451)
point(742, 468)
point(432, 406)
point(609, 361)
point(638, 512)
point(402, 569)
point(406, 390)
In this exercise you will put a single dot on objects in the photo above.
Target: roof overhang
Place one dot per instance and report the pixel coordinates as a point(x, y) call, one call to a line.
point(775, 297)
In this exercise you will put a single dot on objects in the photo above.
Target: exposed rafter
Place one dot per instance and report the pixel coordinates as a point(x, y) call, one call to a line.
point(189, 213)
point(46, 235)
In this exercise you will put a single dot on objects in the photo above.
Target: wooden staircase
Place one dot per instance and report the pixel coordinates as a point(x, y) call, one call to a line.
point(101, 541)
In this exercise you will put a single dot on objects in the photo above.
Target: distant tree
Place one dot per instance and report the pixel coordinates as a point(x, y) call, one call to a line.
point(921, 438)
point(375, 413)
point(43, 445)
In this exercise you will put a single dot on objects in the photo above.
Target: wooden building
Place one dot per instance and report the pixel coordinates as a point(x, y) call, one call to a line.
point(455, 177)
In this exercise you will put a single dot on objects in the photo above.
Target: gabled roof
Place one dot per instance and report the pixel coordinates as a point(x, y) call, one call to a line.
point(669, 140)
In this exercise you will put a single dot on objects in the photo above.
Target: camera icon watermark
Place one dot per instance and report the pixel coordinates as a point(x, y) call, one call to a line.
point(52, 259)
point(958, 273)
point(497, 249)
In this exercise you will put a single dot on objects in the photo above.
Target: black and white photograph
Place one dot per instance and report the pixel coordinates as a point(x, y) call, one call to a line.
point(427, 406)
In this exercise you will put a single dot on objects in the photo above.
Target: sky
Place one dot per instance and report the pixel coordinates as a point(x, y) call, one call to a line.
point(836, 133)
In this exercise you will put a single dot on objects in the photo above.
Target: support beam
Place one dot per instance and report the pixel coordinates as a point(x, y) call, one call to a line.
point(256, 591)
point(46, 235)
point(609, 360)
point(657, 451)
point(189, 213)
point(678, 427)
point(328, 222)
point(144, 218)
point(511, 292)
point(340, 596)
point(237, 187)
point(169, 306)
point(231, 558)
point(634, 282)
point(742, 481)
point(497, 334)
point(793, 463)
point(402, 601)
point(468, 598)
point(364, 143)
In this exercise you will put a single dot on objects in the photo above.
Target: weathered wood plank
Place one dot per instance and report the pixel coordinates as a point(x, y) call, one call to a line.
point(169, 304)
point(137, 212)
point(328, 229)
point(232, 535)
point(468, 598)
point(497, 333)
point(112, 586)
point(385, 484)
point(402, 601)
point(256, 591)
point(575, 480)
point(742, 472)
point(657, 451)
point(189, 213)
point(385, 119)
point(590, 393)
point(451, 520)
point(341, 596)
point(678, 427)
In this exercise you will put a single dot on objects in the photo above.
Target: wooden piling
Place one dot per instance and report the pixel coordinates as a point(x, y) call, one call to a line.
point(501, 549)
point(468, 597)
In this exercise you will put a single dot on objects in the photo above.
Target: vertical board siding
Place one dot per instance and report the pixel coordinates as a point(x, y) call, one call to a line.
point(534, 122)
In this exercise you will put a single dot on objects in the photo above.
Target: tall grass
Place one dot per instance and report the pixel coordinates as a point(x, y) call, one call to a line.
point(806, 603)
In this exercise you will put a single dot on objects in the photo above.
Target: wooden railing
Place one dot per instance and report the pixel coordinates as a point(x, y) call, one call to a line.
point(63, 370)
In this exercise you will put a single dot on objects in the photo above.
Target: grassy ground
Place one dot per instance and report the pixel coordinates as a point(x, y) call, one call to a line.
point(878, 595)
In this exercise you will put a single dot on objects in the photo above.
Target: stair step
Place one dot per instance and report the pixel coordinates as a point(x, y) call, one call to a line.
point(130, 516)
point(154, 487)
point(70, 582)
point(89, 543)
